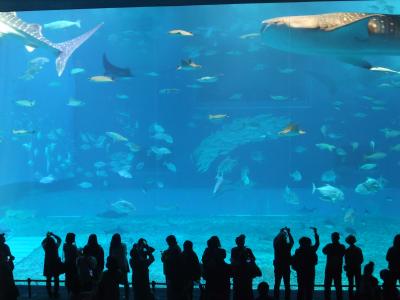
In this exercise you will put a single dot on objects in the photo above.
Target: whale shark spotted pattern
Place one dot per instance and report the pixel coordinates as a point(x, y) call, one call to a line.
point(347, 36)
point(32, 37)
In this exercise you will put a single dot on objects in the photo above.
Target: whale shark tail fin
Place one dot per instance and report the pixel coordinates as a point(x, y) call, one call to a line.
point(67, 48)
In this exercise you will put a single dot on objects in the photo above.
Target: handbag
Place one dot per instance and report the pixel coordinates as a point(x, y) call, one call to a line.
point(254, 270)
point(61, 267)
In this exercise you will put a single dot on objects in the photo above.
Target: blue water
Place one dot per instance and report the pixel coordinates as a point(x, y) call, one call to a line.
point(257, 92)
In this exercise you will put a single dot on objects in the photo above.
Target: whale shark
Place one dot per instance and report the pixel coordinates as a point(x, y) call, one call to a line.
point(344, 35)
point(32, 37)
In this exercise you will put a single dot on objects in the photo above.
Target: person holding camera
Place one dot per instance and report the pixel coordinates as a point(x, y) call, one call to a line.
point(52, 262)
point(283, 244)
point(141, 258)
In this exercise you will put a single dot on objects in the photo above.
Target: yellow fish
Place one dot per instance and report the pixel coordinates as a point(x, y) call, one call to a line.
point(291, 129)
point(180, 32)
point(217, 116)
point(101, 78)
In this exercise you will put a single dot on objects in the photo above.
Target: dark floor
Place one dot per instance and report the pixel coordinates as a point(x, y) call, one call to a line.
point(39, 293)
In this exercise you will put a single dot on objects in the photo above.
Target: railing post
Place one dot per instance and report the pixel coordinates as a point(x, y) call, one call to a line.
point(153, 287)
point(29, 288)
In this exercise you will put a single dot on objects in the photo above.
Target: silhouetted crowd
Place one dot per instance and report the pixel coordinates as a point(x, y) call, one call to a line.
point(85, 277)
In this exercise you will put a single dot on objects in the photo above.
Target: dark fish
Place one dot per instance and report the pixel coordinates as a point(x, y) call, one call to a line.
point(111, 214)
point(114, 71)
point(117, 229)
point(350, 230)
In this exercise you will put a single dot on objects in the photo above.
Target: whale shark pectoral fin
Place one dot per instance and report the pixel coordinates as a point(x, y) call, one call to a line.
point(356, 61)
point(361, 63)
point(30, 48)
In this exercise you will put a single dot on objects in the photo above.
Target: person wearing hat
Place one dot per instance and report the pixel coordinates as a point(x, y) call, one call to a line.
point(334, 263)
point(353, 259)
point(241, 257)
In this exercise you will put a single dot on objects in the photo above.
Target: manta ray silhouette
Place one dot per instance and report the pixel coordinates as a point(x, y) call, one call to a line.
point(114, 71)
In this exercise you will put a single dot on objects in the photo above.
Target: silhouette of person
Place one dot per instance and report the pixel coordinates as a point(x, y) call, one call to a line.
point(389, 289)
point(86, 269)
point(141, 259)
point(241, 256)
point(191, 271)
point(334, 263)
point(304, 261)
point(283, 244)
point(393, 258)
point(353, 259)
point(171, 259)
point(71, 254)
point(118, 251)
point(216, 272)
point(369, 288)
point(263, 291)
point(93, 249)
point(108, 288)
point(52, 263)
point(8, 289)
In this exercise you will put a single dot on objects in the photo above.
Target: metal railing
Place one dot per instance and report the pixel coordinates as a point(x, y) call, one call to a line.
point(30, 282)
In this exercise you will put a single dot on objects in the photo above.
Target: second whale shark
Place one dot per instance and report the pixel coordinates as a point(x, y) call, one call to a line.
point(346, 36)
point(31, 35)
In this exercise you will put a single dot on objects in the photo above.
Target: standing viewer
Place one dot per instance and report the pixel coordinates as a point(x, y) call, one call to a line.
point(190, 269)
point(71, 254)
point(141, 259)
point(304, 261)
point(353, 258)
point(334, 263)
point(241, 258)
point(52, 262)
point(118, 252)
point(171, 259)
point(216, 272)
point(283, 244)
point(8, 289)
point(93, 249)
point(393, 258)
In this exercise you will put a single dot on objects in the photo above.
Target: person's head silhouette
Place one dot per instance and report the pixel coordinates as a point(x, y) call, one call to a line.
point(263, 289)
point(351, 240)
point(369, 268)
point(240, 240)
point(171, 241)
point(92, 241)
point(116, 240)
point(305, 242)
point(213, 242)
point(188, 246)
point(111, 264)
point(335, 237)
point(70, 238)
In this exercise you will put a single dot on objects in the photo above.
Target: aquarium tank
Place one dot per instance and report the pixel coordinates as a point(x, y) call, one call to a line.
point(199, 121)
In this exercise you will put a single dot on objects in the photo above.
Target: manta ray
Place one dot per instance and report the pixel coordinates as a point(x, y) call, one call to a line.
point(32, 37)
point(114, 71)
point(346, 36)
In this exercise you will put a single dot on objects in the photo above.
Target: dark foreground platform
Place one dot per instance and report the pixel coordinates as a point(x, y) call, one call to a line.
point(39, 293)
